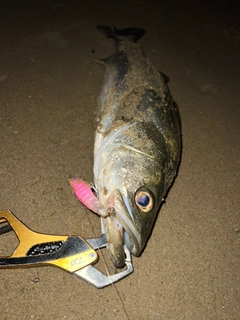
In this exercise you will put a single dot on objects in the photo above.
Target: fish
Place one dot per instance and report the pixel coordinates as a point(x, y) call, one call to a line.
point(137, 146)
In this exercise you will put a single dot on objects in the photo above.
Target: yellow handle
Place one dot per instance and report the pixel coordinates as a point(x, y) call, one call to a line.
point(77, 253)
point(27, 237)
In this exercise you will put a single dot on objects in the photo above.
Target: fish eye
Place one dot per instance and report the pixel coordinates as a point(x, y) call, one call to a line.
point(144, 200)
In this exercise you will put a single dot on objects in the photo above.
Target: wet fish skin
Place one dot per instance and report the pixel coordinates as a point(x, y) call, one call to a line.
point(137, 145)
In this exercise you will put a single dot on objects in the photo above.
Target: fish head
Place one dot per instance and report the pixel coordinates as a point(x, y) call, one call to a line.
point(133, 169)
point(131, 187)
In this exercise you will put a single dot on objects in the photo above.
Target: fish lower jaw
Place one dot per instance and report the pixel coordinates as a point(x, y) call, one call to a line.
point(114, 235)
point(118, 237)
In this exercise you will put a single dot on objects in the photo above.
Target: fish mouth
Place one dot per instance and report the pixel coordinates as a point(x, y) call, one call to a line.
point(120, 229)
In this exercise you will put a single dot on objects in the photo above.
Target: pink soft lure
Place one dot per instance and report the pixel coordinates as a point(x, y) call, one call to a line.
point(85, 195)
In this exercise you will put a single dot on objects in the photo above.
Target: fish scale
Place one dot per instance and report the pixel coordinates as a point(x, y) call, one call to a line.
point(137, 146)
point(137, 143)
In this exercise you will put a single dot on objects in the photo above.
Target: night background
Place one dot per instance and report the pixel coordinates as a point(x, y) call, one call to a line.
point(49, 85)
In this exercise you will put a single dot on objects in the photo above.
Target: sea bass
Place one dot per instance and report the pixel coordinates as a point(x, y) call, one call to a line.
point(137, 146)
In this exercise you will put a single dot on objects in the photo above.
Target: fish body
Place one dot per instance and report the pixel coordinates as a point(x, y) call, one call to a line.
point(137, 144)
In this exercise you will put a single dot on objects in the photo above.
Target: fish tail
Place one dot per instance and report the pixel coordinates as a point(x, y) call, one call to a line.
point(132, 34)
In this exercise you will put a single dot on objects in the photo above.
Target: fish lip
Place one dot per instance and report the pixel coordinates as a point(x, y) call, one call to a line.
point(122, 214)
